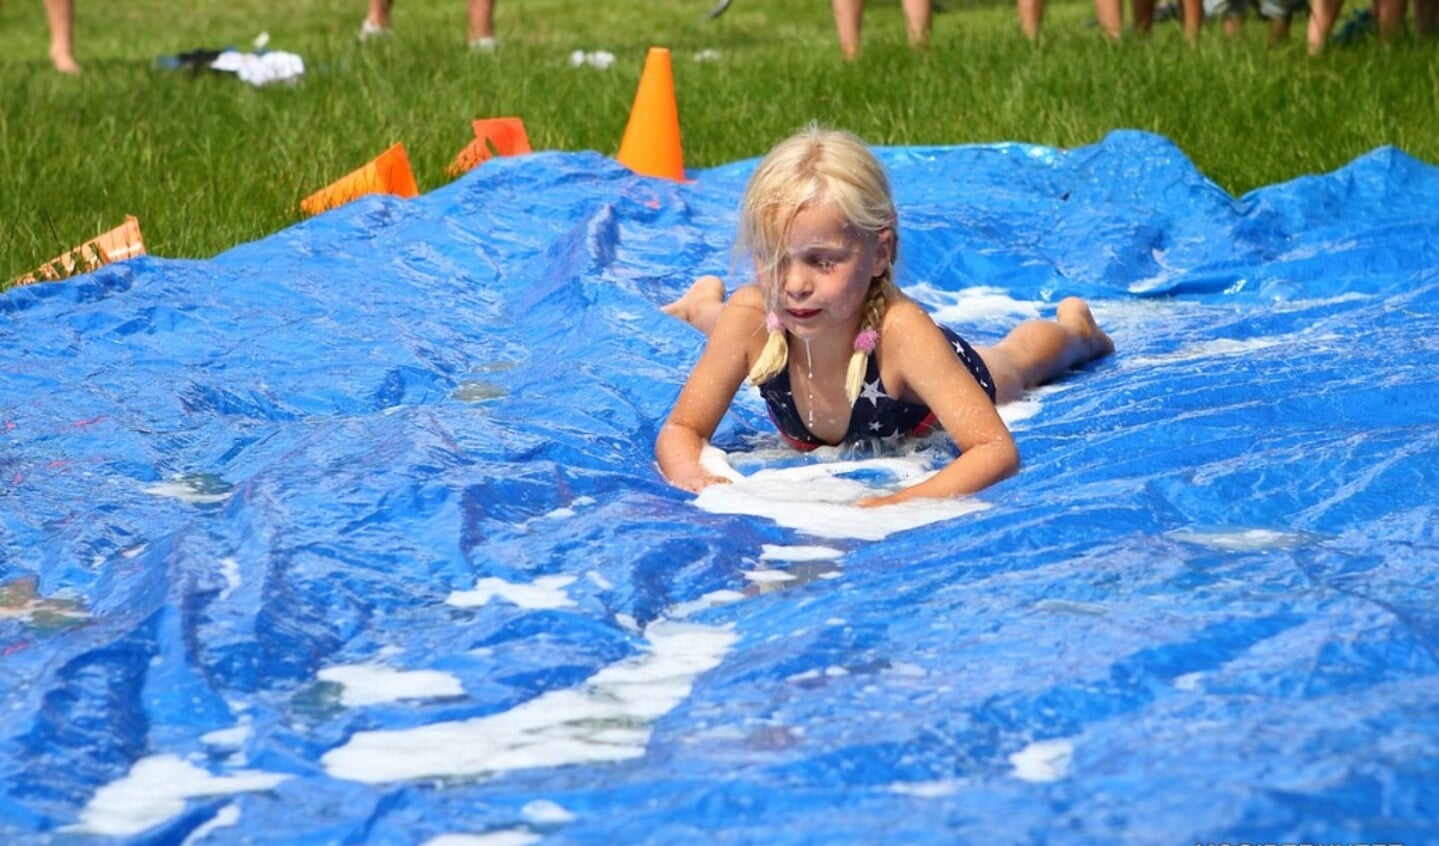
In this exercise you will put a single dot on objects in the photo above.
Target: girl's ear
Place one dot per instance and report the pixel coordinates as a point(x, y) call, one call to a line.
point(883, 250)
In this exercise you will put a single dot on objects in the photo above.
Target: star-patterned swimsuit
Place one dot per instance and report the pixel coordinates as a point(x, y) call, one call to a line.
point(875, 414)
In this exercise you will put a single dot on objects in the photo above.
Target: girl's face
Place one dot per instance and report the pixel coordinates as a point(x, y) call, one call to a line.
point(825, 271)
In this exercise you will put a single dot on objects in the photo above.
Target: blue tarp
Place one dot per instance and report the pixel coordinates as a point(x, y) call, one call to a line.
point(353, 534)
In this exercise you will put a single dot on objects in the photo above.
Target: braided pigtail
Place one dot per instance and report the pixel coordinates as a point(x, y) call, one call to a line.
point(865, 341)
point(774, 357)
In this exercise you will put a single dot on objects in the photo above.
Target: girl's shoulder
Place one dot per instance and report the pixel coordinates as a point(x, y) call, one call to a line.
point(745, 306)
point(747, 296)
point(903, 316)
point(909, 341)
point(742, 322)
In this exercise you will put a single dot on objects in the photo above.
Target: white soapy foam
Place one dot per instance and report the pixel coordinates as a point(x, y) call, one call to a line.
point(1246, 540)
point(768, 576)
point(224, 818)
point(776, 552)
point(681, 610)
point(607, 718)
point(1152, 283)
point(1188, 681)
point(187, 490)
point(971, 305)
point(714, 459)
point(230, 570)
point(1043, 760)
point(545, 812)
point(506, 837)
point(371, 684)
point(544, 592)
point(230, 738)
point(155, 790)
point(1022, 409)
point(563, 512)
point(818, 500)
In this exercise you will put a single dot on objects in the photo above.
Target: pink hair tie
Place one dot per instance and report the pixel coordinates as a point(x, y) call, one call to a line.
point(866, 340)
point(771, 322)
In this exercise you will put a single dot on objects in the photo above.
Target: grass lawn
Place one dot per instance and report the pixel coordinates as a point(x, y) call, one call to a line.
point(206, 162)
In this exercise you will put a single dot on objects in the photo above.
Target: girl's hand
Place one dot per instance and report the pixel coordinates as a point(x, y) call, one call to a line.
point(700, 481)
point(878, 501)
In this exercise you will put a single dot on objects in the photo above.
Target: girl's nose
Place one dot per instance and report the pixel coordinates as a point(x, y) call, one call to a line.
point(797, 283)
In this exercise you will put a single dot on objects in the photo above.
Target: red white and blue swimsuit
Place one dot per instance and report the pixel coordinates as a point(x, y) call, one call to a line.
point(875, 414)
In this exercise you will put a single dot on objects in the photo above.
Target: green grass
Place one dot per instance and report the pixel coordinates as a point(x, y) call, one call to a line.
point(206, 162)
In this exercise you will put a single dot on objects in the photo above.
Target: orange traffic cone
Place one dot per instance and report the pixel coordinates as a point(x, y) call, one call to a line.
point(651, 145)
point(506, 136)
point(118, 244)
point(388, 173)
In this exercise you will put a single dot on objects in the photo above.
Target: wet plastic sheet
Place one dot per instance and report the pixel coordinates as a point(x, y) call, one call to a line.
point(352, 534)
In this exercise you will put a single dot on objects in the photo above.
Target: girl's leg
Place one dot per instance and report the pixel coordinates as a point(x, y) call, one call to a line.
point(1193, 11)
point(847, 17)
point(1037, 351)
point(917, 15)
point(701, 305)
point(1110, 15)
point(60, 14)
point(1143, 17)
point(1389, 15)
point(1322, 15)
point(481, 33)
point(377, 20)
point(1031, 15)
point(1426, 16)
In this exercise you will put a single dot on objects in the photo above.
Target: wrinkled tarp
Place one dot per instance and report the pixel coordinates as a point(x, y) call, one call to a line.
point(414, 437)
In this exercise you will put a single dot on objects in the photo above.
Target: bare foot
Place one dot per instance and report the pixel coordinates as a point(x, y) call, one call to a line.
point(1075, 316)
point(699, 304)
point(373, 29)
point(65, 63)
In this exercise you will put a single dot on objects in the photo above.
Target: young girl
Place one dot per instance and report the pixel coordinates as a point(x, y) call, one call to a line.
point(838, 352)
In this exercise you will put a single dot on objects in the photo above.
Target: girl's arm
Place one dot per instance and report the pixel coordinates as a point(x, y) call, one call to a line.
point(709, 390)
point(932, 372)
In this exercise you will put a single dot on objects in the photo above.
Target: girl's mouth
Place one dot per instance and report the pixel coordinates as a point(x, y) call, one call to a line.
point(801, 313)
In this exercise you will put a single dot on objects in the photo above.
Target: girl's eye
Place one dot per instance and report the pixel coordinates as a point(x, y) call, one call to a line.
point(825, 265)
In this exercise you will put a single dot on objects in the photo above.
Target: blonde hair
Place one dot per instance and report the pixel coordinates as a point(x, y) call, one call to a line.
point(814, 165)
